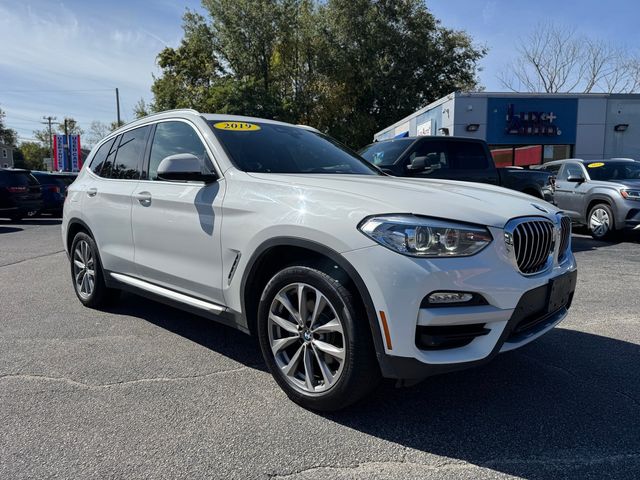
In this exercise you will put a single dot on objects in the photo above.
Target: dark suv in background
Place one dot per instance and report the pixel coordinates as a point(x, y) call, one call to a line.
point(20, 194)
point(54, 190)
point(604, 195)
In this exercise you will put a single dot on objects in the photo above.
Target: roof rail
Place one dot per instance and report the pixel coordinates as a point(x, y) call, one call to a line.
point(185, 110)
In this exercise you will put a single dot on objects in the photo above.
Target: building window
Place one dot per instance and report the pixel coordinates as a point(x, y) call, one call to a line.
point(526, 155)
point(556, 152)
point(4, 153)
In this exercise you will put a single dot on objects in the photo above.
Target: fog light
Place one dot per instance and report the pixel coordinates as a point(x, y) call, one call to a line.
point(449, 297)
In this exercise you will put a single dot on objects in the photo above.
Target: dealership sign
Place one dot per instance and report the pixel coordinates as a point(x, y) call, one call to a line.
point(67, 155)
point(531, 123)
point(528, 120)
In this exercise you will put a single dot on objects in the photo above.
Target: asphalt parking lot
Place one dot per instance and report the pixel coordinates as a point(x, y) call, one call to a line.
point(146, 391)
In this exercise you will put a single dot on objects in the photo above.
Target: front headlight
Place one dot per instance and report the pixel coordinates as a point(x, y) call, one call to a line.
point(631, 194)
point(425, 237)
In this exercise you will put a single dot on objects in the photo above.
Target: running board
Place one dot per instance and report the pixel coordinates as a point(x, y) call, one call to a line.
point(165, 292)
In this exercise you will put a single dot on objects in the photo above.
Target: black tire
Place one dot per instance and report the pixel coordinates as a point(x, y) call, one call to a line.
point(609, 233)
point(100, 295)
point(359, 373)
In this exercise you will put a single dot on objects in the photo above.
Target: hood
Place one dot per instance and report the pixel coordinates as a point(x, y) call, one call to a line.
point(629, 183)
point(447, 199)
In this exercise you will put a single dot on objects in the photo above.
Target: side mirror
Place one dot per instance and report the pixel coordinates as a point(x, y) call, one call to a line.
point(183, 167)
point(575, 178)
point(418, 164)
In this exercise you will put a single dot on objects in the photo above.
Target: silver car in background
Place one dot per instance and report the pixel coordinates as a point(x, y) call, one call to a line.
point(604, 195)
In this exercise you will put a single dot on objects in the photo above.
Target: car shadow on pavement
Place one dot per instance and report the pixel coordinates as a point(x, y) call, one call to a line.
point(568, 404)
point(34, 221)
point(4, 229)
point(210, 334)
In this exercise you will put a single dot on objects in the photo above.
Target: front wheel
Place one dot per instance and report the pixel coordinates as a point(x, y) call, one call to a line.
point(601, 222)
point(314, 341)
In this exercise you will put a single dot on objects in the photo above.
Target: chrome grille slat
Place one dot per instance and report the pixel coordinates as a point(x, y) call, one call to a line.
point(565, 235)
point(533, 242)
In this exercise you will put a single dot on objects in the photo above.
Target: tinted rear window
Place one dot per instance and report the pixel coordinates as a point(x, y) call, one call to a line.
point(17, 179)
point(100, 158)
point(272, 148)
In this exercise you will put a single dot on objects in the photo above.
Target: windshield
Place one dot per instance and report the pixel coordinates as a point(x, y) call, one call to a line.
point(272, 148)
point(385, 153)
point(608, 171)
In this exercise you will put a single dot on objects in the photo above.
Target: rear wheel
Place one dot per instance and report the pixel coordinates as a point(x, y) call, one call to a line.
point(87, 274)
point(601, 222)
point(316, 345)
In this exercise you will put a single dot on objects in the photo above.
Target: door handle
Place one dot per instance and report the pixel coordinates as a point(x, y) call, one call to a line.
point(144, 198)
point(92, 191)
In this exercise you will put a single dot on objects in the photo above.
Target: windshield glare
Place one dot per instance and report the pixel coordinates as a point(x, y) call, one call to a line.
point(615, 171)
point(273, 148)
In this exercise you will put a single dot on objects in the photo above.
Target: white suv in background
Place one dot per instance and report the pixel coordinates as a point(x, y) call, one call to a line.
point(344, 274)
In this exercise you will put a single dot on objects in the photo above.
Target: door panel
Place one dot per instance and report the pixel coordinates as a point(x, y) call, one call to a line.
point(570, 196)
point(176, 234)
point(176, 225)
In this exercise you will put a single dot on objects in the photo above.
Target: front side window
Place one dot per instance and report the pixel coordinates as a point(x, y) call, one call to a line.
point(126, 164)
point(437, 157)
point(571, 170)
point(274, 148)
point(171, 138)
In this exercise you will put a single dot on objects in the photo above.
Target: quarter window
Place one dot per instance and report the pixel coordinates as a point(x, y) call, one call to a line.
point(99, 159)
point(171, 138)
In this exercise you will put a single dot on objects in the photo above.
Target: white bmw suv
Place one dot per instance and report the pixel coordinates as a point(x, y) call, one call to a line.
point(344, 274)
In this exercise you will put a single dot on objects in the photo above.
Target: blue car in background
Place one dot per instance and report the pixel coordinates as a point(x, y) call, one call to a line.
point(54, 190)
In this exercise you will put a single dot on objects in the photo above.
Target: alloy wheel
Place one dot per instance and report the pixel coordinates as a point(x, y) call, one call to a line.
point(84, 269)
point(599, 222)
point(306, 336)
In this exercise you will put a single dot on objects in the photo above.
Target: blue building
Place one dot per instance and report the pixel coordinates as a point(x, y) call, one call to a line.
point(529, 128)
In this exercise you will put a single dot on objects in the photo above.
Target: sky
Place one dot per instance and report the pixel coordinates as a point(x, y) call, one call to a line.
point(65, 58)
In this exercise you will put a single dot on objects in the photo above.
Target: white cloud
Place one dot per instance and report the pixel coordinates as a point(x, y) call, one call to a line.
point(52, 47)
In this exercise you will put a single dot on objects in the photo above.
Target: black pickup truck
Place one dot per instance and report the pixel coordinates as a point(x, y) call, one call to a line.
point(454, 158)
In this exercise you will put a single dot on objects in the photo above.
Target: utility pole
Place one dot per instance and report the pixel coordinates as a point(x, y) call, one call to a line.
point(118, 107)
point(49, 119)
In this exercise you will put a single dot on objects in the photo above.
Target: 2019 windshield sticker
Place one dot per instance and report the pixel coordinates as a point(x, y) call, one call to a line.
point(595, 165)
point(237, 126)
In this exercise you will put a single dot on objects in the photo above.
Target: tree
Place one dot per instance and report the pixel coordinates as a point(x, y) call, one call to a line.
point(33, 155)
point(555, 59)
point(8, 136)
point(347, 67)
point(98, 130)
point(141, 109)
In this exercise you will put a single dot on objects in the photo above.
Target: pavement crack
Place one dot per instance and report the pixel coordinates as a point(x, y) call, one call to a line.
point(77, 383)
point(31, 258)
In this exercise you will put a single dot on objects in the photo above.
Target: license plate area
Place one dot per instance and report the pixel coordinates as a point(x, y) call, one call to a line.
point(560, 290)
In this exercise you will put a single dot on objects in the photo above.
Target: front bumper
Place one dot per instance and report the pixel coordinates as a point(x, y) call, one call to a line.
point(397, 285)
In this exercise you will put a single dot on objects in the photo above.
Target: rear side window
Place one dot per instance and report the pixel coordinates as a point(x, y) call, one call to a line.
point(443, 155)
point(126, 164)
point(100, 158)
